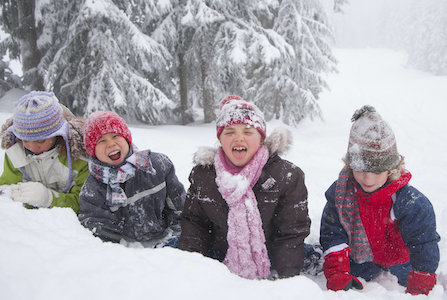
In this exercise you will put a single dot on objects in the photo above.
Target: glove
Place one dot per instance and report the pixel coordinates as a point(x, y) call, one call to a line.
point(337, 271)
point(420, 282)
point(32, 193)
point(3, 187)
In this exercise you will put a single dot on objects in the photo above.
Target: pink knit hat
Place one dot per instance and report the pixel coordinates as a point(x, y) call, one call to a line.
point(100, 123)
point(235, 110)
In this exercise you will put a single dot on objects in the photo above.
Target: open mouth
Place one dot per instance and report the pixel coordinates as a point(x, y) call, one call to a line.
point(115, 155)
point(239, 152)
point(239, 149)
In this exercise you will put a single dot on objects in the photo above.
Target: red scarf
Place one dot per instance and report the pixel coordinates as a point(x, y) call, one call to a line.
point(383, 232)
point(355, 219)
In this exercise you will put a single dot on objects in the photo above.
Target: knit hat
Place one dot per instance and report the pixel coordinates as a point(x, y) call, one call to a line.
point(39, 116)
point(372, 145)
point(100, 123)
point(235, 110)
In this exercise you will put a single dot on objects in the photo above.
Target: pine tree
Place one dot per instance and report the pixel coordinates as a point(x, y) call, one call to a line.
point(106, 63)
point(148, 60)
point(293, 84)
point(18, 20)
point(420, 29)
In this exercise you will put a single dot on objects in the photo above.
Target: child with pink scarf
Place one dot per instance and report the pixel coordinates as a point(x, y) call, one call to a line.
point(246, 206)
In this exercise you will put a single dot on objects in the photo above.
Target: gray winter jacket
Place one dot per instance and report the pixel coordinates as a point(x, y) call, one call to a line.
point(155, 199)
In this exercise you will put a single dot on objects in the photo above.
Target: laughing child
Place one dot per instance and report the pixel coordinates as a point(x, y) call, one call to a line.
point(374, 220)
point(246, 206)
point(45, 161)
point(130, 195)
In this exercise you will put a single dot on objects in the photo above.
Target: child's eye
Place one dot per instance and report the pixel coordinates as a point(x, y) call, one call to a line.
point(100, 141)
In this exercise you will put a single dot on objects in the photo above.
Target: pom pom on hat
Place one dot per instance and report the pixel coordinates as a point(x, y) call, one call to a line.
point(372, 144)
point(235, 110)
point(100, 123)
point(38, 116)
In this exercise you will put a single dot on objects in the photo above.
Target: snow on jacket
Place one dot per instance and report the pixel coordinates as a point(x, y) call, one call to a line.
point(51, 167)
point(282, 201)
point(155, 199)
point(414, 216)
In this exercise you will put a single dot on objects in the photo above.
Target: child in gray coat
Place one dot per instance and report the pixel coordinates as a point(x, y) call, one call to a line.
point(129, 195)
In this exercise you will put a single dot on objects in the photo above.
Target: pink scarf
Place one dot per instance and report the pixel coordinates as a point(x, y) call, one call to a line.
point(247, 254)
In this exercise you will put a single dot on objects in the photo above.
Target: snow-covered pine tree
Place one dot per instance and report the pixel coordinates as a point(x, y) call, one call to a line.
point(427, 45)
point(292, 86)
point(104, 62)
point(420, 29)
point(19, 21)
point(169, 25)
point(199, 25)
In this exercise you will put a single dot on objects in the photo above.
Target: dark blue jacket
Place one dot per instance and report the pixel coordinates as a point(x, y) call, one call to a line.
point(416, 222)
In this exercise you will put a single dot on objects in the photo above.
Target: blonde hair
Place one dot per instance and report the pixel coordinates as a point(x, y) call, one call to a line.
point(393, 174)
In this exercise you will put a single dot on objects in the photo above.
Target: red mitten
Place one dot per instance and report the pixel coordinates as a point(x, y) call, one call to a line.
point(337, 271)
point(420, 282)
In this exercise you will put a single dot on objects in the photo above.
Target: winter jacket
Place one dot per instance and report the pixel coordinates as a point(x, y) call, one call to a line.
point(155, 199)
point(49, 168)
point(414, 217)
point(282, 201)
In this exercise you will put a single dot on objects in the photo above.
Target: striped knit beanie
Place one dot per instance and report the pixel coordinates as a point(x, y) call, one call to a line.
point(100, 123)
point(38, 116)
point(235, 110)
point(372, 145)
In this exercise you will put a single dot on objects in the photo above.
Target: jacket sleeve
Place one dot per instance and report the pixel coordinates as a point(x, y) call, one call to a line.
point(195, 234)
point(291, 226)
point(71, 199)
point(417, 224)
point(10, 174)
point(95, 215)
point(175, 199)
point(331, 231)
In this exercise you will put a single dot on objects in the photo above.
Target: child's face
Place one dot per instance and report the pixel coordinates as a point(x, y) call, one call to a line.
point(40, 146)
point(370, 182)
point(112, 149)
point(239, 143)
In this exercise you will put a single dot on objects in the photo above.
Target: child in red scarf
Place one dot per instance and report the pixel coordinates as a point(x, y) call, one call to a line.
point(246, 206)
point(374, 220)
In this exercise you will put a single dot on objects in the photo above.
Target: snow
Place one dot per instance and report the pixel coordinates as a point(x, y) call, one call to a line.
point(47, 254)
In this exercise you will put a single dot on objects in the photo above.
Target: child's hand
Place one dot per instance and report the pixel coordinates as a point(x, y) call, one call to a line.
point(337, 271)
point(420, 282)
point(32, 193)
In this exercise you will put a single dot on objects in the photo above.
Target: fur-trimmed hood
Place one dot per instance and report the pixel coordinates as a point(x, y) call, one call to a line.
point(75, 137)
point(279, 141)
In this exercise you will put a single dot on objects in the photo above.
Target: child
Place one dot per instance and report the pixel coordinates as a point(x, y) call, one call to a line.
point(130, 195)
point(374, 220)
point(45, 162)
point(246, 206)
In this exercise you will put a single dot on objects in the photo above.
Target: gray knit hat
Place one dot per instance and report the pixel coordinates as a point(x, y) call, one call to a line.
point(372, 145)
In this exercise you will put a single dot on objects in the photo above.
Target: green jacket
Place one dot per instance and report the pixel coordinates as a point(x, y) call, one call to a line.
point(46, 169)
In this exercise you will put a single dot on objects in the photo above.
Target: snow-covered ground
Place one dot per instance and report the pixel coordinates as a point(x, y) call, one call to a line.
point(47, 254)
